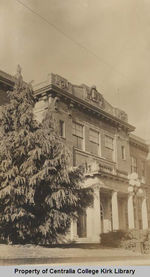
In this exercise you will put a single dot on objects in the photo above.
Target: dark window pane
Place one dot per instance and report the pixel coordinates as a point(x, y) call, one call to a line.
point(133, 164)
point(81, 226)
point(61, 128)
point(123, 152)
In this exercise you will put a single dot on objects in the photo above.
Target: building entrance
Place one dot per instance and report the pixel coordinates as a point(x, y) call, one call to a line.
point(105, 212)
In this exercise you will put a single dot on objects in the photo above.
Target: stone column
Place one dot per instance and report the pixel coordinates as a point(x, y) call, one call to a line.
point(115, 217)
point(144, 215)
point(130, 212)
point(96, 214)
point(89, 222)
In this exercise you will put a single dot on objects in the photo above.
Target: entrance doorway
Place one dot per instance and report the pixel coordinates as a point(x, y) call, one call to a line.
point(105, 212)
point(82, 225)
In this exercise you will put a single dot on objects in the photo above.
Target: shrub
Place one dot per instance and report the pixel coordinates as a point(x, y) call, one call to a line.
point(127, 239)
point(113, 238)
point(146, 243)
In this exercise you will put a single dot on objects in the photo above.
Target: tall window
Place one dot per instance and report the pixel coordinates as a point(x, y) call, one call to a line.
point(123, 153)
point(94, 141)
point(77, 131)
point(133, 164)
point(143, 168)
point(82, 225)
point(62, 128)
point(109, 142)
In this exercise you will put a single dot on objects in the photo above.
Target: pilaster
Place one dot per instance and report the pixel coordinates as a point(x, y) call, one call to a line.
point(130, 212)
point(144, 215)
point(96, 214)
point(115, 217)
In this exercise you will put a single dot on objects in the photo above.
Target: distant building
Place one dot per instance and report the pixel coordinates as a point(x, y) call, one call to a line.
point(6, 83)
point(99, 137)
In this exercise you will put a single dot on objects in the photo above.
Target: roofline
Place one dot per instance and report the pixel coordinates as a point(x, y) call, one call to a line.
point(74, 99)
point(7, 79)
point(138, 142)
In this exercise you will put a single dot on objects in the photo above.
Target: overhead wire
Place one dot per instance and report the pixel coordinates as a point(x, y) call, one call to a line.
point(71, 38)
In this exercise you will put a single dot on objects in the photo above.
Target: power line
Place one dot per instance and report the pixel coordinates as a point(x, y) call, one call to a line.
point(70, 38)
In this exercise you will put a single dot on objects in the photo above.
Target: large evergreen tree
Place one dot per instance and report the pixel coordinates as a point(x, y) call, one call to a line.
point(39, 192)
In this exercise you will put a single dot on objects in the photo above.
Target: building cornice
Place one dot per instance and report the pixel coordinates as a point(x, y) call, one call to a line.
point(6, 80)
point(138, 143)
point(108, 175)
point(49, 89)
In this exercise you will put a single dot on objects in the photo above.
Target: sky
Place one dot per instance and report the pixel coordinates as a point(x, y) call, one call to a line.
point(105, 43)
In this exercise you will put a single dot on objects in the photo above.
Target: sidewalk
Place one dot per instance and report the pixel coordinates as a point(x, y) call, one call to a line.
point(31, 251)
point(30, 254)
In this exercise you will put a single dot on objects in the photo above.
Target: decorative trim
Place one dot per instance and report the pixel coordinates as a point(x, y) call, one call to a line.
point(114, 121)
point(138, 144)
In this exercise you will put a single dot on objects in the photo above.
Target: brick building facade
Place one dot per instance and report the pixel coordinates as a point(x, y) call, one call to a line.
point(99, 137)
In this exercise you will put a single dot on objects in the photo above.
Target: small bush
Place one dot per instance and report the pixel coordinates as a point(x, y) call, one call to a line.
point(146, 243)
point(112, 239)
point(127, 239)
point(128, 244)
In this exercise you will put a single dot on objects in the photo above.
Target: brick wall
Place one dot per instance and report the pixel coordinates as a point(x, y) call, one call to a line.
point(123, 164)
point(90, 121)
point(141, 156)
point(105, 129)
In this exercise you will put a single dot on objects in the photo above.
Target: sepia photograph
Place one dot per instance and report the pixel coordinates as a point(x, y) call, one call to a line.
point(75, 134)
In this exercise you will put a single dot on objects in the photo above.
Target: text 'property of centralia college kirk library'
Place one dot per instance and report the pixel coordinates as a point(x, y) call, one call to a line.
point(117, 163)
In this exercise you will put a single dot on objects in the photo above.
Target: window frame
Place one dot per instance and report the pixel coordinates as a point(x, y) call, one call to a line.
point(95, 141)
point(134, 167)
point(79, 136)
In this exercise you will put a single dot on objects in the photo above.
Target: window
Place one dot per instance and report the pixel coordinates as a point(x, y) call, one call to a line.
point(62, 128)
point(123, 152)
point(133, 164)
point(82, 225)
point(94, 141)
point(109, 142)
point(143, 168)
point(77, 132)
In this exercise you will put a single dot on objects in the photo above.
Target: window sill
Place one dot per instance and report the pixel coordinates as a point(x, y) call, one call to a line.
point(109, 148)
point(63, 137)
point(93, 155)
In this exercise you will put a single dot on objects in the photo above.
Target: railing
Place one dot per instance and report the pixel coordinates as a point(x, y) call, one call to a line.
point(93, 164)
point(98, 165)
point(122, 173)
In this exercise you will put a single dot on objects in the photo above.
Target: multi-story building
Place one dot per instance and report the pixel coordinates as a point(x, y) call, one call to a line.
point(100, 137)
